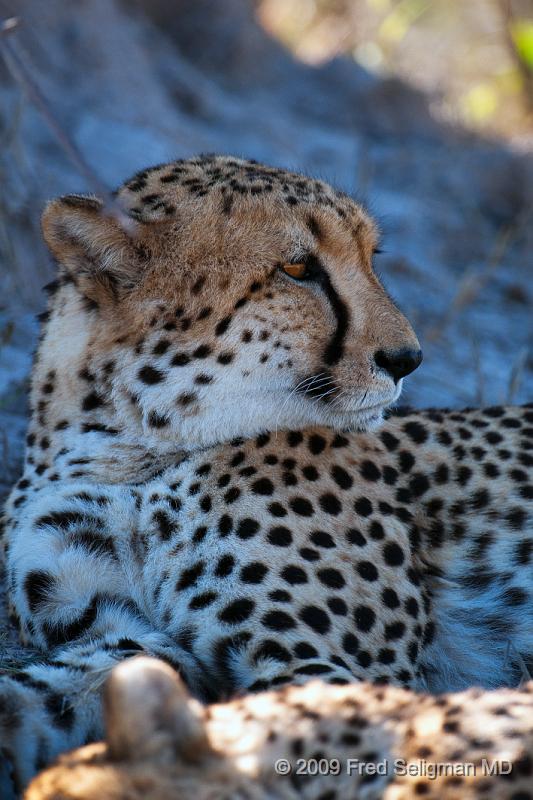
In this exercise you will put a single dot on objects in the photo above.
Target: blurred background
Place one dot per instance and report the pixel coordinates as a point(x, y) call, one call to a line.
point(474, 59)
point(422, 108)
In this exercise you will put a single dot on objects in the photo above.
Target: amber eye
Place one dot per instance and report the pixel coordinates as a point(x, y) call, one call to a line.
point(297, 271)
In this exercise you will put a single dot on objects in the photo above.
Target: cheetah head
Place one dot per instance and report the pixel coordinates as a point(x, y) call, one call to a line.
point(241, 299)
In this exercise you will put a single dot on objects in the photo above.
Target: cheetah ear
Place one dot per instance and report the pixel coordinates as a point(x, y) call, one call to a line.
point(149, 714)
point(91, 244)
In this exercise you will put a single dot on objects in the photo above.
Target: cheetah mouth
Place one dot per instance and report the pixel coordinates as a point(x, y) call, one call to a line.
point(364, 419)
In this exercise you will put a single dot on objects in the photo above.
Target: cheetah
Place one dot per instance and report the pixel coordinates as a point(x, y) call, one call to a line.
point(210, 478)
point(316, 742)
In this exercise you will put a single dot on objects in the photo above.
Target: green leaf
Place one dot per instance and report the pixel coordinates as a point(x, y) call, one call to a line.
point(522, 34)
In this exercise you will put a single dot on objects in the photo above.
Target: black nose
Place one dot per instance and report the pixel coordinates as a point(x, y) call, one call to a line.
point(398, 363)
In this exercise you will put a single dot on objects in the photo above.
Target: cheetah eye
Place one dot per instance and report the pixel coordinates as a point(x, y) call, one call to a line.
point(297, 271)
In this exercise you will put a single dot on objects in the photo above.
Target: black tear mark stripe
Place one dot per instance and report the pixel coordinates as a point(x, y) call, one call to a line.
point(335, 347)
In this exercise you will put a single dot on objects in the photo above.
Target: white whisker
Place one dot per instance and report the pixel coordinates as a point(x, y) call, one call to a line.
point(300, 387)
point(324, 394)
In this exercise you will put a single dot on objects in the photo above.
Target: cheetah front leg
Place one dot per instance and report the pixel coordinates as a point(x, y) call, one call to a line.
point(51, 706)
point(70, 587)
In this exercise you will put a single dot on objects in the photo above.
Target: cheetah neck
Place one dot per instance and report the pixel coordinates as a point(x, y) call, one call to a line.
point(77, 428)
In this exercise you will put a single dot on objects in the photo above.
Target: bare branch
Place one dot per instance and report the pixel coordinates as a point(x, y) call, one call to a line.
point(21, 74)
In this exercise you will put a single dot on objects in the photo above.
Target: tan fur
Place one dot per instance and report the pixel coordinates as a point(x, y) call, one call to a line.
point(336, 726)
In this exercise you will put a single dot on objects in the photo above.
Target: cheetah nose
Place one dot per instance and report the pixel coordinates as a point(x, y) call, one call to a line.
point(398, 363)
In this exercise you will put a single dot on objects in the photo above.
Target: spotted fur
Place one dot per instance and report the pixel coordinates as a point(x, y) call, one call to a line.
point(204, 481)
point(342, 743)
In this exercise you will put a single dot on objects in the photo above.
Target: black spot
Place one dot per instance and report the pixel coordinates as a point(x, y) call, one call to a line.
point(278, 621)
point(206, 503)
point(150, 375)
point(64, 519)
point(367, 571)
point(418, 484)
point(442, 474)
point(305, 650)
point(237, 611)
point(189, 576)
point(197, 286)
point(223, 325)
point(395, 630)
point(316, 618)
point(161, 347)
point(330, 504)
point(199, 601)
point(314, 227)
point(277, 510)
point(253, 573)
point(199, 535)
point(341, 477)
point(225, 358)
point(479, 499)
point(91, 401)
point(331, 577)
point(202, 351)
point(224, 566)
point(353, 536)
point(225, 525)
point(364, 618)
point(238, 458)
point(322, 539)
point(363, 507)
point(164, 525)
point(316, 444)
point(156, 420)
point(386, 656)
point(203, 380)
point(263, 486)
point(516, 518)
point(247, 528)
point(337, 606)
point(406, 460)
point(186, 398)
point(294, 438)
point(514, 596)
point(369, 471)
point(269, 649)
point(232, 494)
point(293, 574)
point(524, 551)
point(308, 554)
point(301, 506)
point(310, 472)
point(416, 432)
point(280, 596)
point(180, 360)
point(280, 536)
point(390, 441)
point(390, 598)
point(393, 554)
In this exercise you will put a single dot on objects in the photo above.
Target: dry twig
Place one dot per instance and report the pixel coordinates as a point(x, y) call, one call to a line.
point(22, 76)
